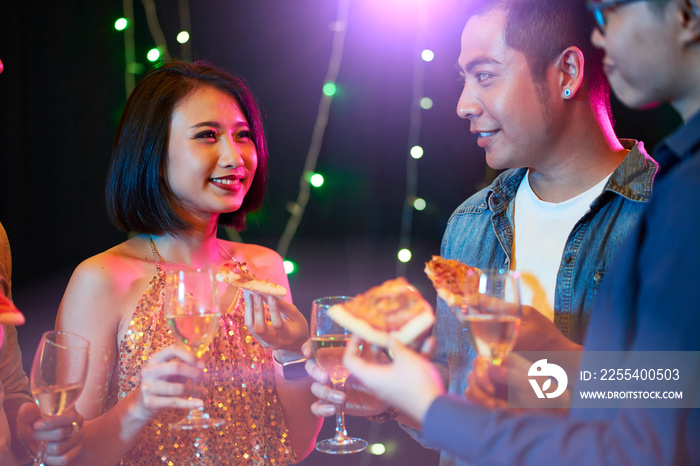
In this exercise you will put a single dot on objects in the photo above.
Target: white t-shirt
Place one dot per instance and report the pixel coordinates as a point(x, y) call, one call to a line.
point(541, 231)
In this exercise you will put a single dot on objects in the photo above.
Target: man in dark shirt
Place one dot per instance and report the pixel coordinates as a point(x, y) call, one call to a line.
point(649, 301)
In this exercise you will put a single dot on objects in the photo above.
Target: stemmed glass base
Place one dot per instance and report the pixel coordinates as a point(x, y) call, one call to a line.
point(341, 444)
point(342, 447)
point(197, 419)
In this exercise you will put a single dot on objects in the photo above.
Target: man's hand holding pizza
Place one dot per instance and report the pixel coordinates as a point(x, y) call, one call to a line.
point(392, 310)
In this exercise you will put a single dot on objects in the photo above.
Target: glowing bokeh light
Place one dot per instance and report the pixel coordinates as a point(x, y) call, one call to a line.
point(289, 267)
point(419, 204)
point(121, 24)
point(135, 68)
point(416, 152)
point(426, 103)
point(183, 37)
point(316, 180)
point(427, 55)
point(330, 89)
point(153, 55)
point(377, 449)
point(404, 255)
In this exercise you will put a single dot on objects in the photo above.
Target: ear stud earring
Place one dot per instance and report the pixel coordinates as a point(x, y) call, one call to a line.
point(567, 93)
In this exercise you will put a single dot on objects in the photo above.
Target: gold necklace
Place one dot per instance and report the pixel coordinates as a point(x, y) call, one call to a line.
point(228, 254)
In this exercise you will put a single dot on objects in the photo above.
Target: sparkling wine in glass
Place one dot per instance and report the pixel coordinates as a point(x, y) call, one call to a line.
point(191, 307)
point(328, 340)
point(58, 375)
point(493, 315)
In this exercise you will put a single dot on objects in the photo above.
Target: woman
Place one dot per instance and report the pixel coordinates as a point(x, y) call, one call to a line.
point(189, 155)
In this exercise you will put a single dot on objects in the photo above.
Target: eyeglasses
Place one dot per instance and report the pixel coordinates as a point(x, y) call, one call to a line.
point(600, 8)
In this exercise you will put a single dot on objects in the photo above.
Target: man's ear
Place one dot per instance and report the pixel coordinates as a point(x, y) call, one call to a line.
point(570, 64)
point(690, 21)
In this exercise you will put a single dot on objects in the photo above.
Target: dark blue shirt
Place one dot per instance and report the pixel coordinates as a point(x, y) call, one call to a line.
point(650, 301)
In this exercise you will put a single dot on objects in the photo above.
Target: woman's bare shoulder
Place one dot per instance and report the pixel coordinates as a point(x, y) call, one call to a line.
point(256, 256)
point(110, 268)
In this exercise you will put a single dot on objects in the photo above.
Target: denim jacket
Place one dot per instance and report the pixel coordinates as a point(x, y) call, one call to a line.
point(480, 234)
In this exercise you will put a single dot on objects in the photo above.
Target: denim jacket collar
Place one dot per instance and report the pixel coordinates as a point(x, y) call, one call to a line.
point(628, 180)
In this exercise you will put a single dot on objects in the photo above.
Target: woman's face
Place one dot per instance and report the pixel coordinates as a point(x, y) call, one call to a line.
point(211, 155)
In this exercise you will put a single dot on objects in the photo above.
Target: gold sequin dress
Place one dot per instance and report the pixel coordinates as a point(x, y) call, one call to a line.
point(241, 390)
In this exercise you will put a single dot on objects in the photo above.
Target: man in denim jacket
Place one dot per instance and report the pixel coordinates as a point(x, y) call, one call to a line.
point(648, 304)
point(573, 191)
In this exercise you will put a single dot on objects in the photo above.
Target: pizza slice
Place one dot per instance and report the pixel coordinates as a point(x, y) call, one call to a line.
point(454, 281)
point(393, 309)
point(237, 274)
point(9, 314)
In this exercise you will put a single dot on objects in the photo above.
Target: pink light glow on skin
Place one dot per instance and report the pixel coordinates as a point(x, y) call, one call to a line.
point(402, 13)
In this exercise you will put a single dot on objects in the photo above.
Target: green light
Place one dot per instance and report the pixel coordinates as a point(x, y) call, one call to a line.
point(135, 68)
point(330, 89)
point(289, 267)
point(426, 103)
point(404, 255)
point(153, 55)
point(316, 180)
point(416, 152)
point(183, 37)
point(419, 204)
point(377, 449)
point(121, 24)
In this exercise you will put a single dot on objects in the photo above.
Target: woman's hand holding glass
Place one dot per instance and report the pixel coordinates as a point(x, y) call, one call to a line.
point(191, 308)
point(164, 382)
point(62, 435)
point(57, 378)
point(357, 399)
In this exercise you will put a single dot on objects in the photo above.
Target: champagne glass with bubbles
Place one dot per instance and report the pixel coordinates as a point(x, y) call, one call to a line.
point(328, 341)
point(191, 307)
point(493, 314)
point(58, 375)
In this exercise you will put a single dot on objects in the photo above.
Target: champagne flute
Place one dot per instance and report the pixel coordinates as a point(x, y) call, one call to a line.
point(493, 315)
point(58, 375)
point(191, 308)
point(328, 341)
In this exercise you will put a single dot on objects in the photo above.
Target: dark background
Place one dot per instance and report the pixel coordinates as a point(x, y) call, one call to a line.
point(63, 89)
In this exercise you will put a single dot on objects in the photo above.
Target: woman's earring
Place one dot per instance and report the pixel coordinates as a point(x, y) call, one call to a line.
point(567, 93)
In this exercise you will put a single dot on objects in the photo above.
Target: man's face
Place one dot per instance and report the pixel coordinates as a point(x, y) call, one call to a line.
point(504, 106)
point(640, 61)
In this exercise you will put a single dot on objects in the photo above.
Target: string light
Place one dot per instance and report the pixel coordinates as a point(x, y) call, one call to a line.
point(426, 103)
point(404, 255)
point(415, 151)
point(121, 24)
point(183, 37)
point(419, 204)
point(339, 28)
point(289, 267)
point(377, 449)
point(316, 180)
point(330, 89)
point(153, 55)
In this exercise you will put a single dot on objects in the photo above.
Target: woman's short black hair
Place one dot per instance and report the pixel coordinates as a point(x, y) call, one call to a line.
point(139, 199)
